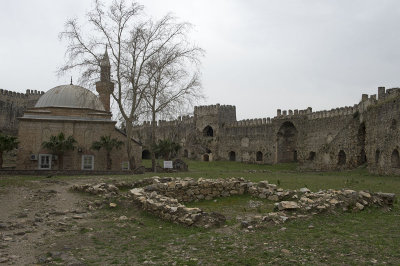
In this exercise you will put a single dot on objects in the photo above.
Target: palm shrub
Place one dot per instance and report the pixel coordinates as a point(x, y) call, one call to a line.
point(7, 143)
point(58, 145)
point(107, 143)
point(166, 149)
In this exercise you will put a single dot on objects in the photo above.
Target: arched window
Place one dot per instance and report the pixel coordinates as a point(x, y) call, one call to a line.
point(311, 156)
point(259, 156)
point(146, 154)
point(341, 158)
point(232, 156)
point(395, 159)
point(208, 131)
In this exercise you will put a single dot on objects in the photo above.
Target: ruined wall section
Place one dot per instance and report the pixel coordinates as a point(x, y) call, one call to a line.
point(176, 130)
point(321, 135)
point(189, 130)
point(340, 138)
point(214, 115)
point(245, 139)
point(204, 141)
point(12, 105)
point(383, 133)
point(347, 138)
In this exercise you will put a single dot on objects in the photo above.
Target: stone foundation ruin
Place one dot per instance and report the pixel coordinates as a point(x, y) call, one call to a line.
point(165, 198)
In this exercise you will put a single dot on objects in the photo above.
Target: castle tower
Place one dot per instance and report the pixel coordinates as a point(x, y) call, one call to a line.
point(105, 87)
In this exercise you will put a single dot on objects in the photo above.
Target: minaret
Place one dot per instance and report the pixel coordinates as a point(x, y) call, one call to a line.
point(105, 87)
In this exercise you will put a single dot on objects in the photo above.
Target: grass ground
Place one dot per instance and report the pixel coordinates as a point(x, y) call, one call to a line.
point(368, 237)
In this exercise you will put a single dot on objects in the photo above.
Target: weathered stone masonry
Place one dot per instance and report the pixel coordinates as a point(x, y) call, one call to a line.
point(342, 138)
point(13, 105)
point(165, 198)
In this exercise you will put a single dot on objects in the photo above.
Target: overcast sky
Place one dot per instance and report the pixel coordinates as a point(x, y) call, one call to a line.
point(261, 55)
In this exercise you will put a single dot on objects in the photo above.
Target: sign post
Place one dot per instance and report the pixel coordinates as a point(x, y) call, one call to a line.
point(168, 165)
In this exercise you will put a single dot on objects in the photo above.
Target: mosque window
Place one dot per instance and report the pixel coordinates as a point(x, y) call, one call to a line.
point(45, 161)
point(87, 162)
point(125, 165)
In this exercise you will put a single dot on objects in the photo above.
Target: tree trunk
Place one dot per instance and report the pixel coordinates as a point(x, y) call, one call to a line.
point(60, 162)
point(132, 163)
point(153, 142)
point(1, 160)
point(108, 158)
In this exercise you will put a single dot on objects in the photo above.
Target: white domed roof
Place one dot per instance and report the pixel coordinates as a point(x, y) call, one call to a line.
point(70, 96)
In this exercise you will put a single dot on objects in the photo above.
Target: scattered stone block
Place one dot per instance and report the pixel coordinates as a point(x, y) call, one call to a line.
point(287, 205)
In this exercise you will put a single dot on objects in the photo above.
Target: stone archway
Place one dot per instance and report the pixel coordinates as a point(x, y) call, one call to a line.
point(146, 154)
point(208, 131)
point(232, 156)
point(287, 143)
point(259, 156)
point(395, 159)
point(341, 158)
point(206, 157)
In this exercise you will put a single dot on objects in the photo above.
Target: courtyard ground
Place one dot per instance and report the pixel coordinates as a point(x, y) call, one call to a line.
point(42, 221)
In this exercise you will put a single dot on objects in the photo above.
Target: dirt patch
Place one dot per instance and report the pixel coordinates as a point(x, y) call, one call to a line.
point(31, 214)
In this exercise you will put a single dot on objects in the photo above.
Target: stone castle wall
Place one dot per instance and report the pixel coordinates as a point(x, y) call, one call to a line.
point(342, 138)
point(13, 105)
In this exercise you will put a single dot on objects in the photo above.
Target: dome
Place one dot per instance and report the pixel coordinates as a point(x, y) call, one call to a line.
point(70, 96)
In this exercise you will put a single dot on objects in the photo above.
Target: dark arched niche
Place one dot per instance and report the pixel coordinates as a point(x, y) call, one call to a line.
point(146, 155)
point(208, 131)
point(395, 159)
point(232, 156)
point(341, 158)
point(259, 156)
point(287, 143)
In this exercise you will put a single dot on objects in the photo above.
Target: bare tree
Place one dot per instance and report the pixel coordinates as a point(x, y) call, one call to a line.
point(133, 42)
point(173, 80)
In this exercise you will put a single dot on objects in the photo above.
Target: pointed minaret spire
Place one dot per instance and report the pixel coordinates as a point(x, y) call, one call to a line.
point(105, 67)
point(105, 87)
point(71, 81)
point(105, 61)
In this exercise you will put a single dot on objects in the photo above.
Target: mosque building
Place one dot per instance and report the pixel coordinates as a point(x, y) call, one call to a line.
point(77, 112)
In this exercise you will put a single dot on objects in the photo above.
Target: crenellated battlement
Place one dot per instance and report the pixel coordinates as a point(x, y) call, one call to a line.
point(250, 122)
point(213, 109)
point(384, 93)
point(181, 120)
point(366, 100)
point(289, 113)
point(342, 111)
point(12, 105)
point(28, 93)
